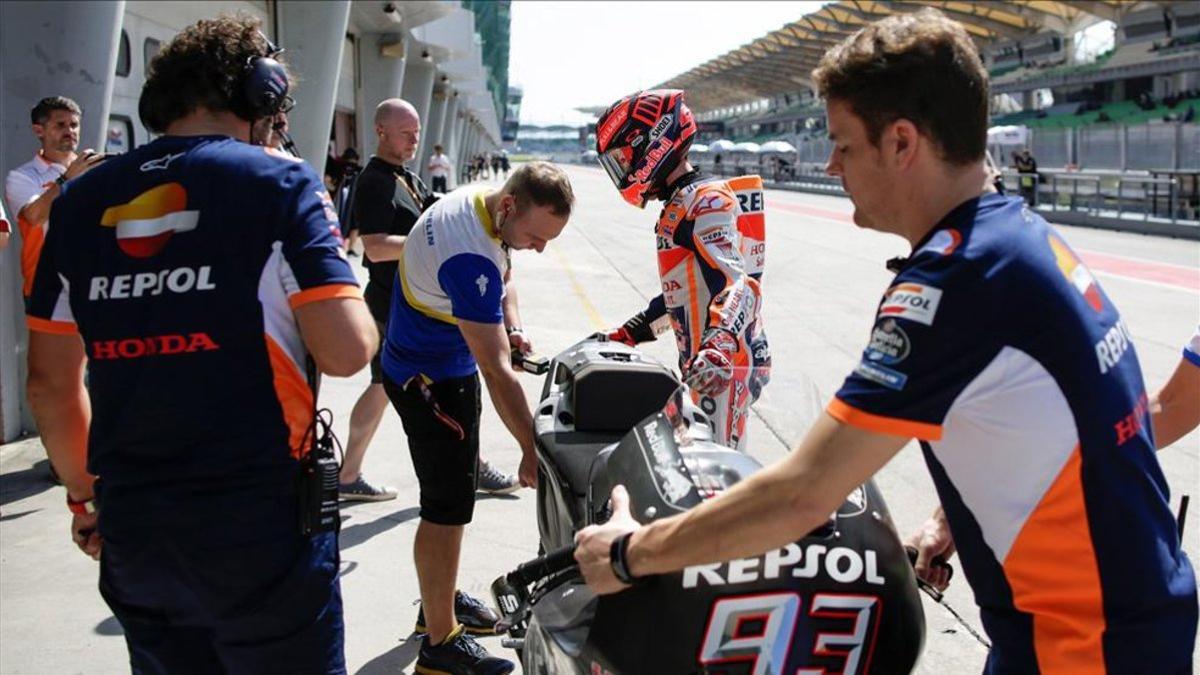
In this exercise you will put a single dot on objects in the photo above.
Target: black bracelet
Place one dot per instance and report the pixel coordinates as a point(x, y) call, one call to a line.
point(619, 561)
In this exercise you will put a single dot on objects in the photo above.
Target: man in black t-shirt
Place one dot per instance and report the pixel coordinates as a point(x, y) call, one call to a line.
point(388, 199)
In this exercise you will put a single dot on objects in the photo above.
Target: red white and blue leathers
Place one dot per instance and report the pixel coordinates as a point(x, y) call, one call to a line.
point(711, 250)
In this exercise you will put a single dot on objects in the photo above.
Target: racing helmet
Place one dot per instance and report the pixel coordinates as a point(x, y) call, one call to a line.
point(641, 139)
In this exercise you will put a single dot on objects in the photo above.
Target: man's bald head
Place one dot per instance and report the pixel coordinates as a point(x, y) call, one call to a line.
point(396, 111)
point(399, 130)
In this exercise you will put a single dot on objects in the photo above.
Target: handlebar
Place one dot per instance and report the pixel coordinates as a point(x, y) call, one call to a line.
point(939, 561)
point(512, 594)
point(544, 566)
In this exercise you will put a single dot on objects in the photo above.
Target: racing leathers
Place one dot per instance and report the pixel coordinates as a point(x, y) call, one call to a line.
point(711, 249)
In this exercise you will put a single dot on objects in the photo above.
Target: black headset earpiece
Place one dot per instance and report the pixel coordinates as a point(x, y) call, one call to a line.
point(264, 83)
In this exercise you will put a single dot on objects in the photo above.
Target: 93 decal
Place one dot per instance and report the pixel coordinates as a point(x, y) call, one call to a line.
point(756, 632)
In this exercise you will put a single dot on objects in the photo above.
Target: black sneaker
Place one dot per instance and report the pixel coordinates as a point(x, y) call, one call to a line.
point(459, 654)
point(476, 618)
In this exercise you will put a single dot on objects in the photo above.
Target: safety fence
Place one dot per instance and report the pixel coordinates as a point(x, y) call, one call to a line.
point(1141, 147)
point(1139, 201)
point(1167, 145)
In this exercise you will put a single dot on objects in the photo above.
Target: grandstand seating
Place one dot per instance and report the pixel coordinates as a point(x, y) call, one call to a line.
point(1124, 55)
point(1130, 54)
point(1070, 115)
point(1000, 71)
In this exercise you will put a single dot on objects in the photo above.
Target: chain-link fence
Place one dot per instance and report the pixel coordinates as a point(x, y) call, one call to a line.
point(1051, 147)
point(1150, 146)
point(815, 151)
point(1189, 146)
point(1099, 147)
point(1143, 147)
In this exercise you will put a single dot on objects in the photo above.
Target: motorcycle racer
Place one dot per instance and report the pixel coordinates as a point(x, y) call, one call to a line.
point(710, 239)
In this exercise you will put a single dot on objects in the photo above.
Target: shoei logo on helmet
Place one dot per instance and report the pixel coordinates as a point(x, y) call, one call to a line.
point(661, 127)
point(653, 158)
point(611, 126)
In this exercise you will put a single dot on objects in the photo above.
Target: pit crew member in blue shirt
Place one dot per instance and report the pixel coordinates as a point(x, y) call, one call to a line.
point(194, 276)
point(996, 348)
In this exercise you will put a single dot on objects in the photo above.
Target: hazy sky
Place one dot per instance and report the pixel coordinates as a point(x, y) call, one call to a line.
point(569, 54)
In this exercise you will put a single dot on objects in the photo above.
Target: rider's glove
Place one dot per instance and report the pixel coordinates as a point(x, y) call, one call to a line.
point(620, 335)
point(636, 330)
point(710, 370)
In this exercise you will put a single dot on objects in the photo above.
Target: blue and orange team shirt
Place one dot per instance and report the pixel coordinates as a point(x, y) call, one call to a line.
point(180, 264)
point(998, 350)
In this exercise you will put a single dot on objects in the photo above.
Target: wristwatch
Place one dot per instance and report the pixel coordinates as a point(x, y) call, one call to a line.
point(513, 329)
point(61, 180)
point(81, 508)
point(619, 561)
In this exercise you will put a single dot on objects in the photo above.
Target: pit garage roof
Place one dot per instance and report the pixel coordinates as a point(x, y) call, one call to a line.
point(782, 61)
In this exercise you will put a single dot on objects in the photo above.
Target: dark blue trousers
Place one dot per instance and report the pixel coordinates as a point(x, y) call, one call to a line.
point(218, 579)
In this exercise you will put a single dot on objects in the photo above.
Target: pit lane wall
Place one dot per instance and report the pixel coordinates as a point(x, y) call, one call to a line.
point(347, 55)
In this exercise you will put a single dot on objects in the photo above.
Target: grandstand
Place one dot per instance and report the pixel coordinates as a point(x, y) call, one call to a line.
point(556, 140)
point(1114, 132)
point(761, 91)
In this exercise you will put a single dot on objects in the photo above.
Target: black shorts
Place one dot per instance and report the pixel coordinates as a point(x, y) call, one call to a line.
point(376, 365)
point(443, 439)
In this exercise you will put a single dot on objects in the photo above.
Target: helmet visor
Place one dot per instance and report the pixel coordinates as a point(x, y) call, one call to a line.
point(617, 162)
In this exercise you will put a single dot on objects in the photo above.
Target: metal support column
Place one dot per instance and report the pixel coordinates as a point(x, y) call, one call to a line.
point(450, 135)
point(432, 132)
point(383, 59)
point(418, 90)
point(48, 49)
point(313, 34)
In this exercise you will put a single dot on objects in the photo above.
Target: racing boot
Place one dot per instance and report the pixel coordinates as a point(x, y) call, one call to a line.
point(459, 654)
point(474, 616)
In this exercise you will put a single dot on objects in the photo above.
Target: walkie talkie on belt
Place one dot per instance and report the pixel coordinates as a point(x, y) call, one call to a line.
point(319, 469)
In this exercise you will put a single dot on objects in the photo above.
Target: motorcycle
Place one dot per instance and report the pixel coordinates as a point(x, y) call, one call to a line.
point(842, 599)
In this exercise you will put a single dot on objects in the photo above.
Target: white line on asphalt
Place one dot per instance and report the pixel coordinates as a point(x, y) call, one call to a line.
point(1122, 256)
point(592, 312)
point(1157, 284)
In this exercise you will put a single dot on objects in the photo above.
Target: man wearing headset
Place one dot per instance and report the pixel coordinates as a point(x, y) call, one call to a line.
point(195, 276)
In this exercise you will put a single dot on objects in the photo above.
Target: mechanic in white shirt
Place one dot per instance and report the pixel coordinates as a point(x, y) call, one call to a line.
point(31, 188)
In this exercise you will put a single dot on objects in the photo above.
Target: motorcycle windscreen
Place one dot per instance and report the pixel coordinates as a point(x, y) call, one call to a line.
point(837, 600)
point(648, 463)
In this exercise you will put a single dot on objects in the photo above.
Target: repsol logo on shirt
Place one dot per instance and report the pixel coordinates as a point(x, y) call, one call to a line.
point(750, 202)
point(1113, 346)
point(155, 345)
point(142, 284)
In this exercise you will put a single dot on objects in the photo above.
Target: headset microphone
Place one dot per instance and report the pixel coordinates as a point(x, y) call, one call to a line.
point(288, 143)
